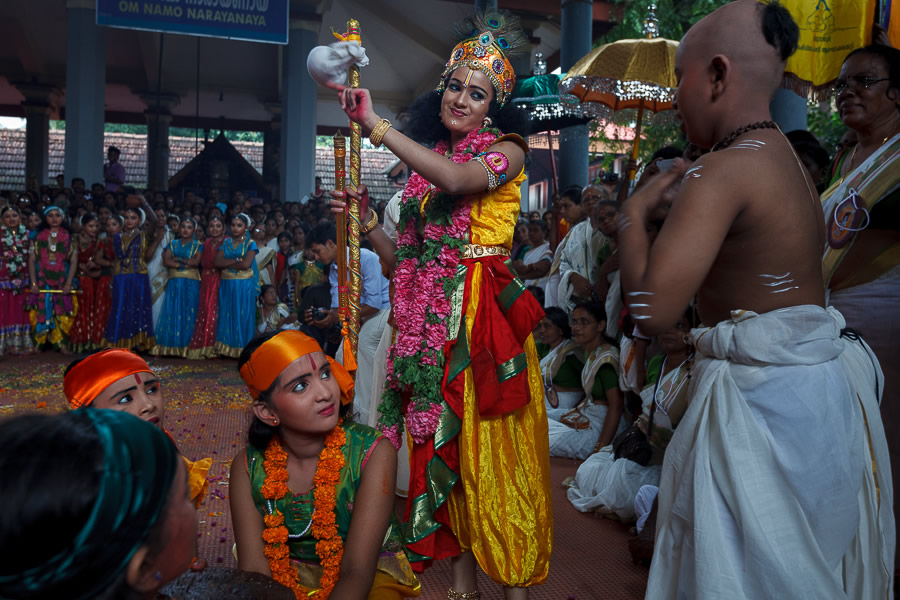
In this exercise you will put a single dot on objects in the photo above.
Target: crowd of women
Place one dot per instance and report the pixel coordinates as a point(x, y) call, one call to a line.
point(487, 384)
point(194, 281)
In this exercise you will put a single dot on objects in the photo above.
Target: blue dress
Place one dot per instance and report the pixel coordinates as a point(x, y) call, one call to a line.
point(130, 322)
point(237, 301)
point(175, 325)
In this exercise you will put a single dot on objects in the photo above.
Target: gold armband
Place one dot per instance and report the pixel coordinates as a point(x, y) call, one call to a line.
point(378, 132)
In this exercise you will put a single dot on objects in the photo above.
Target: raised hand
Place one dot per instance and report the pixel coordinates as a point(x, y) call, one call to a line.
point(655, 197)
point(357, 104)
point(339, 205)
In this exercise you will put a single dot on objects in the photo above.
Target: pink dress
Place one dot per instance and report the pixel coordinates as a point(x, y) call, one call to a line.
point(15, 327)
point(204, 337)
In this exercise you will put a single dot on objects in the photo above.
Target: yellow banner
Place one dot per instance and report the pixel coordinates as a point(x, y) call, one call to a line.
point(829, 30)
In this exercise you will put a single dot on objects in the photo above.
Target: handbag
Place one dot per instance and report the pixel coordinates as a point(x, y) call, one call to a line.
point(633, 444)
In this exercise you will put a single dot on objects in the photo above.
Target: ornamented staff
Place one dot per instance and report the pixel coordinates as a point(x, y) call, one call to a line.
point(332, 66)
point(353, 34)
point(340, 154)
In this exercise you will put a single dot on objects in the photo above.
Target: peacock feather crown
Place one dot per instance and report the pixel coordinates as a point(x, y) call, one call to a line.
point(487, 42)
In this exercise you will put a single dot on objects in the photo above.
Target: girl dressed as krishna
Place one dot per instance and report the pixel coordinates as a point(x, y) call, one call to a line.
point(463, 375)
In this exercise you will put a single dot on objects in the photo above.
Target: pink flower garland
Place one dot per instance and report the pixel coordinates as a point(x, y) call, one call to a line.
point(424, 281)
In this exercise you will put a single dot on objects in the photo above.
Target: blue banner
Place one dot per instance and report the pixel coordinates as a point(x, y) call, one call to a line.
point(254, 20)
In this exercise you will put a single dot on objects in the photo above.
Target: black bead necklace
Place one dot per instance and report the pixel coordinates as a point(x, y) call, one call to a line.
point(727, 140)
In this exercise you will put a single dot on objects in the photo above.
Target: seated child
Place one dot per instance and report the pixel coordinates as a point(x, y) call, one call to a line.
point(312, 494)
point(121, 380)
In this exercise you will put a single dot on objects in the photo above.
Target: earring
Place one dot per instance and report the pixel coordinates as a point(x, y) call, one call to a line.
point(486, 122)
point(686, 339)
point(274, 422)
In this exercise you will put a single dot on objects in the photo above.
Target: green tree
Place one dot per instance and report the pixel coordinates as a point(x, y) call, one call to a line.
point(823, 121)
point(675, 18)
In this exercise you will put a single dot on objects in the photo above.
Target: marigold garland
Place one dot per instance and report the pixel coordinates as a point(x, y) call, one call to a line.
point(330, 546)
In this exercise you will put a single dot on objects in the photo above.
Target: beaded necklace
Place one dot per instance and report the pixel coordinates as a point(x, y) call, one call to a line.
point(729, 139)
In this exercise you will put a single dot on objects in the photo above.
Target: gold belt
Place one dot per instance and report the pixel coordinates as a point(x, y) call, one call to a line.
point(184, 274)
point(477, 251)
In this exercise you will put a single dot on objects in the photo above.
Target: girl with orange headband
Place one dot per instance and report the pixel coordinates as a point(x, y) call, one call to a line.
point(121, 380)
point(312, 494)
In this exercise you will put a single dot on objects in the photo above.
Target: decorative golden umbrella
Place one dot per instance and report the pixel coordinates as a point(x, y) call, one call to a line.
point(627, 74)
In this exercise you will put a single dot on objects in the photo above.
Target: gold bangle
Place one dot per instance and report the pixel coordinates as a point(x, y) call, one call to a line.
point(378, 132)
point(370, 224)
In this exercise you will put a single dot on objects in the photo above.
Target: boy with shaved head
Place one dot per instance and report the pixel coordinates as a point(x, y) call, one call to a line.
point(773, 485)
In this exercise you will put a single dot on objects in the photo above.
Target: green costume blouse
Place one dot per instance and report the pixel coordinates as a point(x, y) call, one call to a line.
point(298, 508)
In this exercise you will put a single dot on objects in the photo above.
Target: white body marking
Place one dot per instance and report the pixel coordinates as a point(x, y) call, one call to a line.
point(693, 172)
point(748, 145)
point(641, 294)
point(780, 281)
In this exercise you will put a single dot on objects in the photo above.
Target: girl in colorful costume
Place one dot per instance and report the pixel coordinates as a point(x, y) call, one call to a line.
point(204, 337)
point(337, 539)
point(130, 323)
point(15, 326)
point(463, 369)
point(52, 307)
point(179, 313)
point(238, 290)
point(93, 308)
point(119, 379)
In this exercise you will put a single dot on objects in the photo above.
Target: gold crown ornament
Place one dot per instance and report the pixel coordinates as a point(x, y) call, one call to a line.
point(488, 41)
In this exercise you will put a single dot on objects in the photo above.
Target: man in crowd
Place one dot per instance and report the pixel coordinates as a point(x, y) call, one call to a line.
point(318, 195)
point(375, 305)
point(113, 171)
point(773, 485)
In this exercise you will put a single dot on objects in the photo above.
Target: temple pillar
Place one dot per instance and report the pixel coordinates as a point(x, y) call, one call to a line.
point(574, 142)
point(159, 118)
point(299, 95)
point(271, 166)
point(40, 102)
point(85, 92)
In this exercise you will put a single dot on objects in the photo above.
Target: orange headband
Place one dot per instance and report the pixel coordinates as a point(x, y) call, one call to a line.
point(270, 359)
point(86, 380)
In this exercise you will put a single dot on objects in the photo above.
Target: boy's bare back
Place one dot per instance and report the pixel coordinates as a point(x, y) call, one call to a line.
point(770, 257)
point(745, 231)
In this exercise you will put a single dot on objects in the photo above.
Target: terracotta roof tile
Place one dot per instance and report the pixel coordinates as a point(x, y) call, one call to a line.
point(181, 151)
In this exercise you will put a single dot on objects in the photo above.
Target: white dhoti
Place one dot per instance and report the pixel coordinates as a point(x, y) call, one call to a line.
point(379, 376)
point(569, 442)
point(643, 505)
point(609, 486)
point(369, 337)
point(768, 488)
